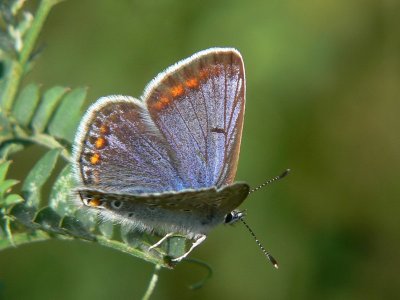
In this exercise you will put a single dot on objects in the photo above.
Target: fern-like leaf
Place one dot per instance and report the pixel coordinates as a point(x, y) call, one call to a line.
point(49, 118)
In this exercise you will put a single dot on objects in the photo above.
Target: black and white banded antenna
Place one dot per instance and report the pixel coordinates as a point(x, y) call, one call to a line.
point(266, 253)
point(269, 181)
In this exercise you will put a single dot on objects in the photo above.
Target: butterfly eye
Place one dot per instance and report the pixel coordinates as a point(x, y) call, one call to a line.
point(228, 218)
point(116, 204)
point(233, 217)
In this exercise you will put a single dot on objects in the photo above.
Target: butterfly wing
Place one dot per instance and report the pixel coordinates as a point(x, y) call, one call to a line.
point(119, 149)
point(188, 211)
point(224, 200)
point(198, 105)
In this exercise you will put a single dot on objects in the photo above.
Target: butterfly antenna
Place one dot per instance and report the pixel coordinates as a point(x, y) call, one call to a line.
point(267, 254)
point(286, 172)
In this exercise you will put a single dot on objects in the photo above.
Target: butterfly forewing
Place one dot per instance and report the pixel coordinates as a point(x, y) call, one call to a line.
point(119, 149)
point(198, 105)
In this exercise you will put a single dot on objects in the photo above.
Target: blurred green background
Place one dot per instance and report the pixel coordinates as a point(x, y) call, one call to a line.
point(323, 98)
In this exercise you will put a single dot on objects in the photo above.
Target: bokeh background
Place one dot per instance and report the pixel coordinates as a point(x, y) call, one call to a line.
point(323, 98)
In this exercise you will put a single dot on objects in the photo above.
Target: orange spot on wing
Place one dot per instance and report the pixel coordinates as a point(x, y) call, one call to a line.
point(161, 103)
point(100, 143)
point(192, 83)
point(158, 105)
point(177, 90)
point(164, 100)
point(95, 159)
point(203, 74)
point(104, 129)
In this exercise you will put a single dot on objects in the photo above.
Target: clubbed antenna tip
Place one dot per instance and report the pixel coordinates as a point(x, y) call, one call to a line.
point(284, 174)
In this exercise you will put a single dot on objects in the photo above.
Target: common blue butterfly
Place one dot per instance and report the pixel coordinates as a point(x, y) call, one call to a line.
point(167, 162)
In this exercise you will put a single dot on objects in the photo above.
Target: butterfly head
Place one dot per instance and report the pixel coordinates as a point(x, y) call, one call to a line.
point(233, 217)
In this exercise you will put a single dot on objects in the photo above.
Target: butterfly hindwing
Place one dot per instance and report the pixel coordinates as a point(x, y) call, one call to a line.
point(185, 210)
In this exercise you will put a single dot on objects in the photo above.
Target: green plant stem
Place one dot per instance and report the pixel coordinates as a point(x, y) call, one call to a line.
point(39, 235)
point(17, 68)
point(33, 33)
point(152, 283)
point(23, 238)
point(11, 86)
point(130, 250)
point(41, 139)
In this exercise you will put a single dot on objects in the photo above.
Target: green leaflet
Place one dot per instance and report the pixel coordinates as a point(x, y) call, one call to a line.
point(4, 169)
point(5, 128)
point(37, 177)
point(26, 103)
point(67, 116)
point(76, 228)
point(6, 185)
point(154, 256)
point(24, 214)
point(107, 229)
point(133, 238)
point(6, 200)
point(48, 104)
point(12, 199)
point(88, 218)
point(61, 193)
point(49, 220)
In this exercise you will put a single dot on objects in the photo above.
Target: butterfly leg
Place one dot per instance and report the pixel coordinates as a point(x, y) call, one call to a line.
point(161, 241)
point(197, 242)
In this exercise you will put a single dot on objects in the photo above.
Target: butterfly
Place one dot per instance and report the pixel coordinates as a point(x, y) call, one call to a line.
point(166, 163)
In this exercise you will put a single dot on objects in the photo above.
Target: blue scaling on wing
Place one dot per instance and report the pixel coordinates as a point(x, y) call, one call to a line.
point(198, 105)
point(119, 149)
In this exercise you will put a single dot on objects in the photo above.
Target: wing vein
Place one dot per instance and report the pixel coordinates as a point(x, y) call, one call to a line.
point(187, 127)
point(207, 128)
point(201, 128)
point(234, 104)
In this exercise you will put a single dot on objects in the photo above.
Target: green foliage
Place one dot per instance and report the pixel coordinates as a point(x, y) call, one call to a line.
point(25, 104)
point(37, 177)
point(51, 99)
point(49, 118)
point(64, 122)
